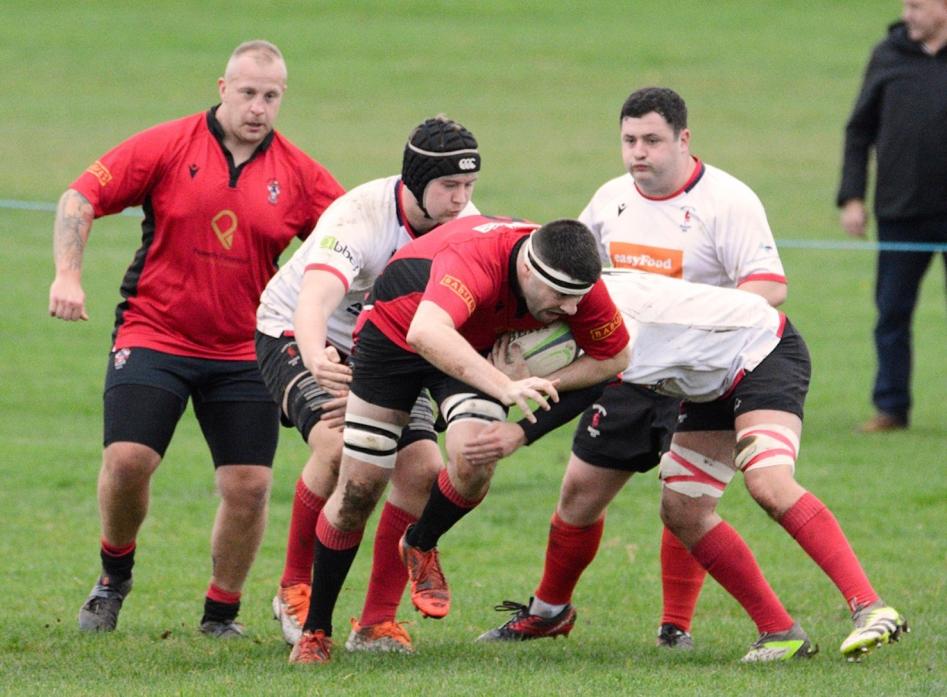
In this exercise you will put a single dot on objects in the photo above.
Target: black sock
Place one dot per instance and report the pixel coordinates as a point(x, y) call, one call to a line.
point(215, 611)
point(329, 569)
point(117, 570)
point(440, 514)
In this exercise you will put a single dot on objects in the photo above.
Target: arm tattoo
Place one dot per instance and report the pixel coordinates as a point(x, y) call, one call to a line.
point(71, 230)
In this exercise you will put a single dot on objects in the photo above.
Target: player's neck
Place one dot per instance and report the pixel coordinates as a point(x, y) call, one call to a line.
point(417, 219)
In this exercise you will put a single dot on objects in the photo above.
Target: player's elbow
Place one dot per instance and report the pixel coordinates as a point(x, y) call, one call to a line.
point(776, 295)
point(608, 368)
point(418, 336)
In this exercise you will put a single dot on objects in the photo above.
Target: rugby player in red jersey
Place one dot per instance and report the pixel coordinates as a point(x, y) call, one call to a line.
point(434, 313)
point(223, 195)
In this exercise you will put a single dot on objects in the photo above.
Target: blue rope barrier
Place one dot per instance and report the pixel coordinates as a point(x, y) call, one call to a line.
point(866, 245)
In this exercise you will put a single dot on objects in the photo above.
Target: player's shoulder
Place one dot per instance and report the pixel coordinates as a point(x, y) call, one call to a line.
point(175, 130)
point(725, 187)
point(617, 187)
point(295, 157)
point(368, 207)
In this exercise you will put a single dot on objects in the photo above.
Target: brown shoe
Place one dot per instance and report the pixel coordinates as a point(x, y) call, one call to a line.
point(882, 423)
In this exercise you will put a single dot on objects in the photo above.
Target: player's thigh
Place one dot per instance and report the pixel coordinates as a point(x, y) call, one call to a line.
point(300, 397)
point(587, 490)
point(145, 395)
point(237, 415)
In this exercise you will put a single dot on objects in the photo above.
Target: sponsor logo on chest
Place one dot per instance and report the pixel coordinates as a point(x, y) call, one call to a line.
point(661, 260)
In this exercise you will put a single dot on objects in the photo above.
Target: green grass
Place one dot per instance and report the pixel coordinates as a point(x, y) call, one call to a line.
point(769, 85)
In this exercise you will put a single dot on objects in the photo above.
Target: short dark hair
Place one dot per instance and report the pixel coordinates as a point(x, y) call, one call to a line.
point(661, 100)
point(569, 246)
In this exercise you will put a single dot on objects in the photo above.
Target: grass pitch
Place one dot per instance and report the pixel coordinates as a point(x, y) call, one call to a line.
point(769, 85)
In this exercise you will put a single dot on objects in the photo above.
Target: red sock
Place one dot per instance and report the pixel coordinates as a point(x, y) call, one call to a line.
point(300, 547)
point(817, 531)
point(117, 551)
point(729, 560)
point(682, 577)
point(389, 576)
point(569, 551)
point(219, 595)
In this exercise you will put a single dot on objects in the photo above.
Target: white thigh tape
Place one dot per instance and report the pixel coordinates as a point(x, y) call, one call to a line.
point(690, 473)
point(766, 445)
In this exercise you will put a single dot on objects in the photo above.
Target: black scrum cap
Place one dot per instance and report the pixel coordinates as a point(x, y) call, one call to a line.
point(437, 148)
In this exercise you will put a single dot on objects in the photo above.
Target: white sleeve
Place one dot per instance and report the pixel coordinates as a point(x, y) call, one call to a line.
point(744, 240)
point(591, 216)
point(343, 240)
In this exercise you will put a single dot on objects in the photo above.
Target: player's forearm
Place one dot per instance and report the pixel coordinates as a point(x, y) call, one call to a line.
point(309, 329)
point(319, 296)
point(588, 371)
point(74, 216)
point(444, 348)
point(570, 405)
point(773, 292)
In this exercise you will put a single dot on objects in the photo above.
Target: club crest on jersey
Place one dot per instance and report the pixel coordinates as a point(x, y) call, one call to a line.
point(121, 358)
point(273, 191)
point(686, 222)
point(600, 413)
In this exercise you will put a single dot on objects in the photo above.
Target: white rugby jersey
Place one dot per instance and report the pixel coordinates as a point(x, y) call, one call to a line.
point(692, 341)
point(353, 239)
point(713, 230)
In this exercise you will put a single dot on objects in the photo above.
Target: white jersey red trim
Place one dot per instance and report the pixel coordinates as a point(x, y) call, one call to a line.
point(692, 341)
point(354, 239)
point(713, 230)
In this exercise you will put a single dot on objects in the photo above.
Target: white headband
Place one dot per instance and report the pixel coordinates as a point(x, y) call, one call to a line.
point(557, 280)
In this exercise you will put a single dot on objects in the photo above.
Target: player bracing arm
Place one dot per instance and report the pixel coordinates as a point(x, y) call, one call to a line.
point(74, 216)
point(319, 296)
point(433, 335)
point(774, 292)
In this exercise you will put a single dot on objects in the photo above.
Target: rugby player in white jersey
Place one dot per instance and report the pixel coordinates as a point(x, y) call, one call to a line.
point(740, 367)
point(304, 336)
point(669, 214)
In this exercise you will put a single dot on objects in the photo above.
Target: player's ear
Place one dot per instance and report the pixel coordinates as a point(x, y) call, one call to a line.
point(685, 136)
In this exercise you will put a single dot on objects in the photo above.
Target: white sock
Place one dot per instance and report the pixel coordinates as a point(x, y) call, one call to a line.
point(544, 609)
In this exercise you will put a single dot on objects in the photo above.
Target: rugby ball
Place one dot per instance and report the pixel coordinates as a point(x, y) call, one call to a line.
point(546, 349)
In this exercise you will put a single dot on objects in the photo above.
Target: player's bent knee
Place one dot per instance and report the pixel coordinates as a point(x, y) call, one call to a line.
point(469, 406)
point(371, 441)
point(692, 474)
point(766, 445)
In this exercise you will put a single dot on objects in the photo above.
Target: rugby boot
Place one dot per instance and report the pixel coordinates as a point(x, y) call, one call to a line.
point(312, 648)
point(384, 637)
point(781, 646)
point(673, 637)
point(429, 591)
point(100, 611)
point(290, 607)
point(875, 625)
point(222, 629)
point(523, 626)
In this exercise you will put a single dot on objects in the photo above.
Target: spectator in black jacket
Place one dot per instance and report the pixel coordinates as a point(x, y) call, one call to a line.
point(901, 112)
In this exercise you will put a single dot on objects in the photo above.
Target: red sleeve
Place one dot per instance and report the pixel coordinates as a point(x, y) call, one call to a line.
point(598, 327)
point(323, 189)
point(457, 285)
point(125, 175)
